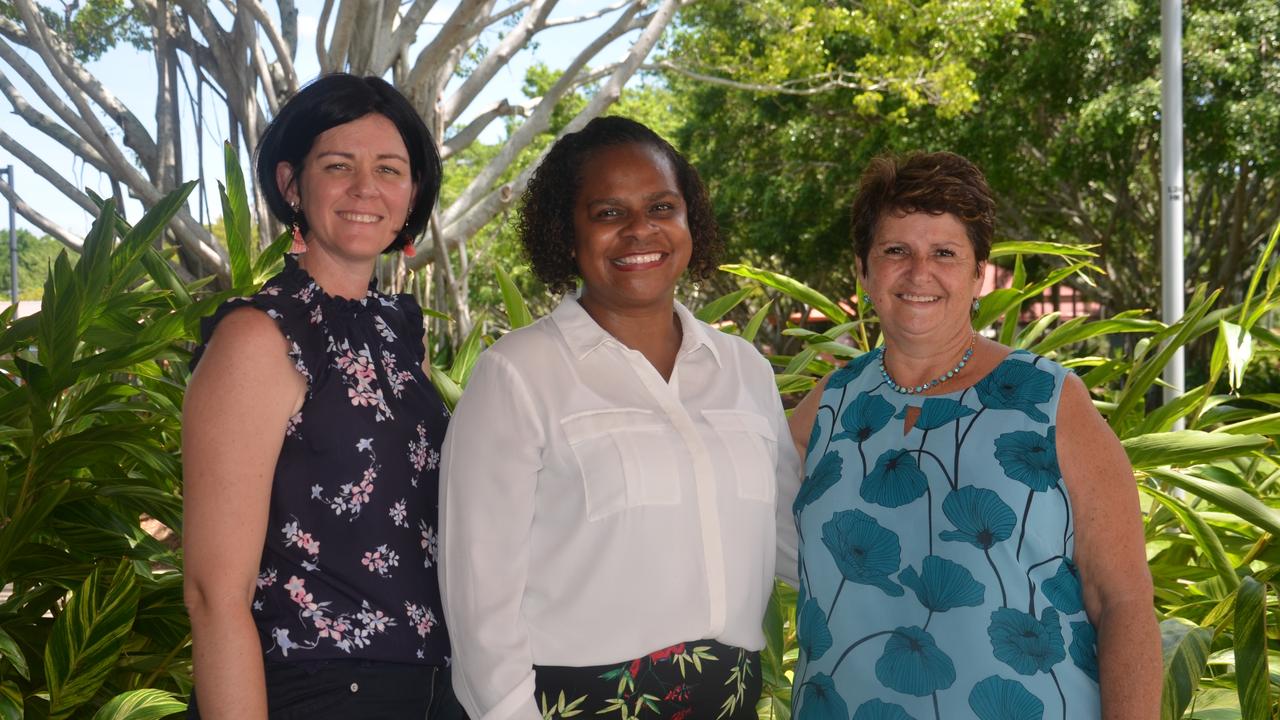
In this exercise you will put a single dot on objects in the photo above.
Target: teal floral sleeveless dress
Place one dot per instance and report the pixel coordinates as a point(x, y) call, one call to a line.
point(936, 566)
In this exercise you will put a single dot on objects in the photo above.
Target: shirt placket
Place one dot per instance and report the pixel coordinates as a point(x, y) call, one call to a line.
point(667, 397)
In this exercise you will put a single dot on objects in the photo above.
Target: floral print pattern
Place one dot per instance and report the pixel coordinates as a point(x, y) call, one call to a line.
point(945, 554)
point(686, 681)
point(349, 565)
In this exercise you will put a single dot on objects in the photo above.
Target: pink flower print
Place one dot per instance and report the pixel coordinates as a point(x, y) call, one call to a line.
point(361, 379)
point(374, 621)
point(266, 578)
point(291, 428)
point(396, 378)
point(352, 496)
point(293, 535)
point(381, 560)
point(295, 352)
point(422, 455)
point(398, 511)
point(272, 290)
point(317, 315)
point(430, 544)
point(423, 618)
point(306, 293)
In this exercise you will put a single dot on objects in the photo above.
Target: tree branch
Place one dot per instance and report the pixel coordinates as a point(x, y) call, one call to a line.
point(49, 227)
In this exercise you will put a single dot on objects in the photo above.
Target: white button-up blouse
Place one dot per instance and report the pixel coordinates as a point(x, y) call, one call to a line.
point(593, 513)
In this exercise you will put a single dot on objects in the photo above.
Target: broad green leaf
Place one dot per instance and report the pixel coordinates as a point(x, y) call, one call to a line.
point(1009, 248)
point(164, 275)
point(1250, 639)
point(449, 390)
point(28, 520)
point(11, 702)
point(1035, 330)
point(1268, 424)
point(753, 325)
point(1259, 269)
point(716, 309)
point(793, 289)
point(1186, 652)
point(1145, 374)
point(1231, 499)
point(271, 259)
point(1080, 329)
point(1188, 447)
point(10, 651)
point(236, 220)
point(87, 638)
point(146, 704)
point(1209, 542)
point(465, 359)
point(1239, 346)
point(137, 240)
point(518, 314)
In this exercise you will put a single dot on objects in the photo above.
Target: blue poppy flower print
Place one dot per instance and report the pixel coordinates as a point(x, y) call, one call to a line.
point(943, 584)
point(1024, 643)
point(865, 552)
point(980, 517)
point(864, 417)
point(880, 710)
point(1084, 648)
point(826, 474)
point(1030, 458)
point(819, 700)
point(851, 370)
point(895, 481)
point(912, 664)
point(936, 412)
point(1016, 385)
point(999, 699)
point(1063, 589)
point(814, 434)
point(812, 630)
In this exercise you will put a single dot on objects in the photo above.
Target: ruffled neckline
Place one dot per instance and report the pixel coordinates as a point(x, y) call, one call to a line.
point(298, 278)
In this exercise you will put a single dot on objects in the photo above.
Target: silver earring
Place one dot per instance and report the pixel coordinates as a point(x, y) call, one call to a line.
point(976, 304)
point(866, 299)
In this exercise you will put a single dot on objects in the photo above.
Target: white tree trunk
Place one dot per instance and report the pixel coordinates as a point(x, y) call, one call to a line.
point(249, 66)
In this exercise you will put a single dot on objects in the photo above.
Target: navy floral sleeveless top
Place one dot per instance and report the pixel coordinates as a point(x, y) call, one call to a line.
point(348, 569)
point(937, 571)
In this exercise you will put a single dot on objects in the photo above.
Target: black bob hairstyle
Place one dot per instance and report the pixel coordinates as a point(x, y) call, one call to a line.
point(545, 222)
point(337, 99)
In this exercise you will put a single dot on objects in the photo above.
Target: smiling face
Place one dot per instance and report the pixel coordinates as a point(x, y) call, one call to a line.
point(922, 277)
point(631, 232)
point(355, 188)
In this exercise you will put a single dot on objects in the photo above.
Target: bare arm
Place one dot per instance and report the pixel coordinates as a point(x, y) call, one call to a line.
point(1111, 556)
point(233, 424)
point(803, 416)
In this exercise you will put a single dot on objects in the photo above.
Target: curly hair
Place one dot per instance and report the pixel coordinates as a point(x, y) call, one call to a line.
point(333, 100)
point(934, 183)
point(545, 221)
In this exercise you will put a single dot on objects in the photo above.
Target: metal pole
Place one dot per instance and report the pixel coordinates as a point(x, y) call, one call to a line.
point(13, 241)
point(1173, 293)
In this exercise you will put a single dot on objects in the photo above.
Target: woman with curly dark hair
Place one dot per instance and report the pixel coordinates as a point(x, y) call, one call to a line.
point(608, 483)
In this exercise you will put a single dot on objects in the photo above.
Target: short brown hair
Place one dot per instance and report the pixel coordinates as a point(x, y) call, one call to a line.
point(934, 183)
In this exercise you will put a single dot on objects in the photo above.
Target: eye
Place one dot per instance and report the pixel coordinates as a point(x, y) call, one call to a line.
point(664, 207)
point(607, 213)
point(389, 170)
point(336, 166)
point(946, 252)
point(895, 250)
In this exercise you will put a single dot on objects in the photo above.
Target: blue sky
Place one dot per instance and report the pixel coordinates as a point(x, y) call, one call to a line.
point(129, 74)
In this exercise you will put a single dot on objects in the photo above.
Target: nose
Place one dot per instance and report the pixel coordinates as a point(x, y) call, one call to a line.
point(639, 225)
point(363, 184)
point(919, 265)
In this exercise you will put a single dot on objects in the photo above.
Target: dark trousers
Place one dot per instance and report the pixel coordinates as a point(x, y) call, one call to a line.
point(356, 690)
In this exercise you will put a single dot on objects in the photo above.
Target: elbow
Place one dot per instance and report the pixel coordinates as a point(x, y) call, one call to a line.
point(211, 602)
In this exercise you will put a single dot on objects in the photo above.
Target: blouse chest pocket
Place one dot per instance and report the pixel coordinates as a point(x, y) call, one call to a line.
point(627, 458)
point(752, 445)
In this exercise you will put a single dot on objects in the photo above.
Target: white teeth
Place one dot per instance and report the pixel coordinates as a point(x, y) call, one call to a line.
point(919, 298)
point(639, 259)
point(358, 217)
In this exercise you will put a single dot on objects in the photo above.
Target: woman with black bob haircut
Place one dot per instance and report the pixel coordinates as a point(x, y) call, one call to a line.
point(311, 438)
point(608, 480)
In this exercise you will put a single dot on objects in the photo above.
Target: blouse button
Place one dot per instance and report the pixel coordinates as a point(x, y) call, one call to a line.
point(355, 687)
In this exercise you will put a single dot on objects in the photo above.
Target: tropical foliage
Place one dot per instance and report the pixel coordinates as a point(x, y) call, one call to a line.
point(92, 622)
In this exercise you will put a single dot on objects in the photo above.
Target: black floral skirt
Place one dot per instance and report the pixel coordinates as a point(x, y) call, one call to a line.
point(701, 680)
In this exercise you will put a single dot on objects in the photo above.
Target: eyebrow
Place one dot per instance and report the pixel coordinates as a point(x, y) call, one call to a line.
point(351, 156)
point(648, 198)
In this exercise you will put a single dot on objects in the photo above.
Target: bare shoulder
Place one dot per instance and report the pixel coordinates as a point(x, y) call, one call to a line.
point(247, 351)
point(1089, 453)
point(804, 414)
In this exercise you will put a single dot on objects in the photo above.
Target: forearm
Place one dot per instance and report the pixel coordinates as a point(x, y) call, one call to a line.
point(227, 659)
point(1129, 663)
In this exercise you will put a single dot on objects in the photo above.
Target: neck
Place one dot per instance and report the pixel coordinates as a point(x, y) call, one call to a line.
point(914, 363)
point(653, 332)
point(336, 276)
